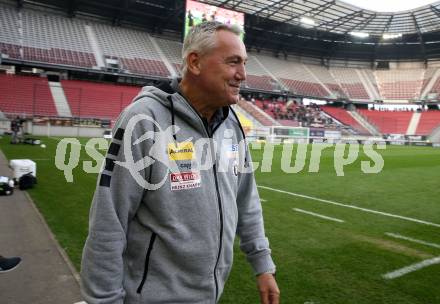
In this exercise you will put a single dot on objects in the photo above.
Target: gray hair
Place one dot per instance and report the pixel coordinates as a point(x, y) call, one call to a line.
point(201, 38)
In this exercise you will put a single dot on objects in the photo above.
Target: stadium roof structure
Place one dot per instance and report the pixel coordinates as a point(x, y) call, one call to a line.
point(338, 16)
point(330, 29)
point(324, 29)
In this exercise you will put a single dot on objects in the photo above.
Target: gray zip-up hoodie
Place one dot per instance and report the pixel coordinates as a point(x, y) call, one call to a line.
point(164, 217)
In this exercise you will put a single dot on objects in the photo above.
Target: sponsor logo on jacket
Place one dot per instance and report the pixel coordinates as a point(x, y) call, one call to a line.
point(181, 151)
point(185, 180)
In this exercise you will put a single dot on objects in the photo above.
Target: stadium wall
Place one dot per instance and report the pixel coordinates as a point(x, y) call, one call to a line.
point(61, 131)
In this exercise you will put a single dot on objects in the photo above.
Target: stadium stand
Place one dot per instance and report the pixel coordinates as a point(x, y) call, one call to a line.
point(97, 100)
point(372, 80)
point(293, 115)
point(400, 84)
point(45, 38)
point(172, 51)
point(294, 76)
point(254, 111)
point(388, 122)
point(10, 50)
point(350, 82)
point(106, 101)
point(9, 35)
point(429, 120)
point(133, 48)
point(429, 73)
point(52, 38)
point(55, 39)
point(26, 96)
point(309, 116)
point(259, 83)
point(324, 75)
point(272, 108)
point(257, 78)
point(345, 118)
point(436, 87)
point(289, 123)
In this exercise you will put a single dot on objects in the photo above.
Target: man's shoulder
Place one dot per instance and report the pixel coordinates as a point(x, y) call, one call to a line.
point(144, 103)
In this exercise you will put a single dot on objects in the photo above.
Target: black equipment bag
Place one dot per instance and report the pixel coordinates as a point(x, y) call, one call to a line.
point(27, 181)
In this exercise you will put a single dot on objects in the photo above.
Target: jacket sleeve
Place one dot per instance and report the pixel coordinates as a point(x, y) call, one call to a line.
point(250, 230)
point(115, 202)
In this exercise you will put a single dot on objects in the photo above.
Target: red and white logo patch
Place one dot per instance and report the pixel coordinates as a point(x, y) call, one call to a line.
point(184, 180)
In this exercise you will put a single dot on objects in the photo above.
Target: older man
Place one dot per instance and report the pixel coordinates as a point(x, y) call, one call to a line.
point(177, 187)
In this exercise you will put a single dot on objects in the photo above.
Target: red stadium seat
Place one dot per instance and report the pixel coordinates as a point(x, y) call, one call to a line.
point(97, 100)
point(429, 120)
point(26, 95)
point(344, 117)
point(389, 122)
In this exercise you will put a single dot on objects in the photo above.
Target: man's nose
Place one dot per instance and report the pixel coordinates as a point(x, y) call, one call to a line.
point(241, 73)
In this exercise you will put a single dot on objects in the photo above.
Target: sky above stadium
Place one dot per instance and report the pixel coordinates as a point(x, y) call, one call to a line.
point(389, 5)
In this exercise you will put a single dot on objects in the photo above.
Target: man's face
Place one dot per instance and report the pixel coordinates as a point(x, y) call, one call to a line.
point(223, 69)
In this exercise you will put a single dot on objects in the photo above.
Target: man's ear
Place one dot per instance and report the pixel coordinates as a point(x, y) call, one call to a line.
point(193, 63)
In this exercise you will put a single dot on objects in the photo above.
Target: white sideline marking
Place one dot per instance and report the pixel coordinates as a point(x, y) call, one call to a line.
point(263, 200)
point(353, 207)
point(398, 236)
point(82, 302)
point(58, 140)
point(411, 268)
point(318, 215)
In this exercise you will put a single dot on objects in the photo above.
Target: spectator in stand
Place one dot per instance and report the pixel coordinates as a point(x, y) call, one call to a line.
point(214, 16)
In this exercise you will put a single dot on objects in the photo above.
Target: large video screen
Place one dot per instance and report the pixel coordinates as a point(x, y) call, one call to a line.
point(197, 12)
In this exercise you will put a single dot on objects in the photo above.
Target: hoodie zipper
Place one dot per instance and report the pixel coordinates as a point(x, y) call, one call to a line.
point(220, 208)
point(147, 259)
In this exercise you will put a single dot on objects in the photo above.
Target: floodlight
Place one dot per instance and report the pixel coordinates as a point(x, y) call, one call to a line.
point(307, 21)
point(391, 36)
point(359, 34)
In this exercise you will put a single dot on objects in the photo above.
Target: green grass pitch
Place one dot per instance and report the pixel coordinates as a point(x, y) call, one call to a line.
point(318, 260)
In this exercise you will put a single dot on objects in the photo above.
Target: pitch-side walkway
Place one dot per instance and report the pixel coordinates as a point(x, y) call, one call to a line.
point(44, 275)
